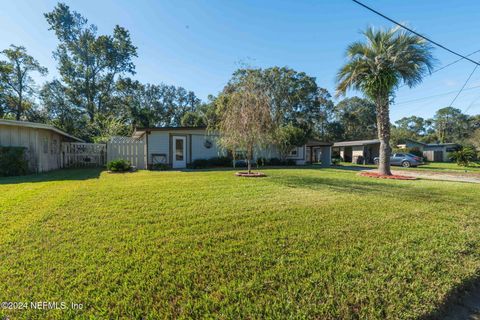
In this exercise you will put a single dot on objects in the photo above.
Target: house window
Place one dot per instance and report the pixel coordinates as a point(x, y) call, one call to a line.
point(293, 153)
point(179, 149)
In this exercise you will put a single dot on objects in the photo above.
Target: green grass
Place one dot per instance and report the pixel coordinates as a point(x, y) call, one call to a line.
point(301, 243)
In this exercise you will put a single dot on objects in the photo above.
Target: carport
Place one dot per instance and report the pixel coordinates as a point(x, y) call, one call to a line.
point(318, 151)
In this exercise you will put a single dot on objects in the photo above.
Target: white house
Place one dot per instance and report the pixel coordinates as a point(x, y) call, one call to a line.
point(179, 146)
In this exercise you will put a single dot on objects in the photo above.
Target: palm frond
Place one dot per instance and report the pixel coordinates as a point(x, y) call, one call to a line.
point(385, 60)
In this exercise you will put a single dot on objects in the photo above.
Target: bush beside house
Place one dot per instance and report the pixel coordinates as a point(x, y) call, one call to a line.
point(13, 161)
point(119, 165)
point(464, 156)
point(211, 163)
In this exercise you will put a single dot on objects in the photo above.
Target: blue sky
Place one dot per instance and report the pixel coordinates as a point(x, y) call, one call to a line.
point(198, 44)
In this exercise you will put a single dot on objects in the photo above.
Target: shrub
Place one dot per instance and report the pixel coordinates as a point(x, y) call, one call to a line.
point(290, 162)
point(119, 165)
point(336, 161)
point(262, 162)
point(463, 156)
point(220, 161)
point(240, 163)
point(211, 163)
point(275, 162)
point(199, 164)
point(13, 161)
point(160, 166)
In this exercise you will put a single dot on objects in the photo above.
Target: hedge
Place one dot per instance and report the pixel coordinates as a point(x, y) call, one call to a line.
point(13, 161)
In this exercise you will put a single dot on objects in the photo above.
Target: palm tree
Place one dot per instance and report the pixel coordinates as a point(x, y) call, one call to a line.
point(377, 67)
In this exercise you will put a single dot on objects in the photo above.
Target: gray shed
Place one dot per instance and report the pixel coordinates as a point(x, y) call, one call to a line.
point(43, 142)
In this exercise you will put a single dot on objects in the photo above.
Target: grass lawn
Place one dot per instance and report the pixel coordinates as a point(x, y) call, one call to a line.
point(301, 243)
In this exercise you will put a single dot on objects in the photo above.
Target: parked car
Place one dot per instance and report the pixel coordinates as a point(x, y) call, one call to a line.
point(403, 159)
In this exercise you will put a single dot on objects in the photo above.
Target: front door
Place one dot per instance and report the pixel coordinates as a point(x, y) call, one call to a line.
point(179, 152)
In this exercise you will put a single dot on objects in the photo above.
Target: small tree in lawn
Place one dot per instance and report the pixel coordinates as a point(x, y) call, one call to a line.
point(288, 137)
point(244, 118)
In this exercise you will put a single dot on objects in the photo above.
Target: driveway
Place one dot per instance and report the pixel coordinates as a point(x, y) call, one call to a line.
point(432, 175)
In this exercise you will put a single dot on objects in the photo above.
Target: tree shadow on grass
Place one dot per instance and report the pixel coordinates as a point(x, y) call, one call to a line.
point(352, 168)
point(56, 175)
point(405, 190)
point(461, 303)
point(254, 168)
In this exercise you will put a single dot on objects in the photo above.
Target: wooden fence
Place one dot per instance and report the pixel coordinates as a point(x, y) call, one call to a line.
point(127, 148)
point(79, 154)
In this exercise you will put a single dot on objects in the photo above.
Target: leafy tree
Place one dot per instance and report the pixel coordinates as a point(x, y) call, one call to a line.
point(416, 125)
point(463, 156)
point(192, 119)
point(107, 126)
point(414, 128)
point(147, 105)
point(245, 120)
point(136, 102)
point(357, 117)
point(334, 131)
point(204, 116)
point(89, 64)
point(475, 139)
point(294, 98)
point(451, 124)
point(61, 112)
point(18, 87)
point(288, 137)
point(377, 67)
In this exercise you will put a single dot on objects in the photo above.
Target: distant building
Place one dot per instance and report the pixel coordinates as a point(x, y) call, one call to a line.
point(360, 151)
point(437, 152)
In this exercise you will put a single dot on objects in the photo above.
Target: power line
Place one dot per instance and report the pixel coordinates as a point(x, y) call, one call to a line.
point(414, 32)
point(445, 66)
point(461, 89)
point(471, 104)
point(436, 95)
point(453, 62)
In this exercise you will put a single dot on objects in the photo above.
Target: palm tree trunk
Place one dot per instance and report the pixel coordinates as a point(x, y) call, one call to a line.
point(383, 125)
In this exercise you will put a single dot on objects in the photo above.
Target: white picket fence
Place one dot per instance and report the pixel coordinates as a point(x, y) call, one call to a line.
point(127, 148)
point(79, 154)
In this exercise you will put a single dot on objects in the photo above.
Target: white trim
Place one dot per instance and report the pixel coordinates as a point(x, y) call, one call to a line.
point(179, 163)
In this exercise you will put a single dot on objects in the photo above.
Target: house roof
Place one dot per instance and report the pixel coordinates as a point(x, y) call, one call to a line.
point(442, 144)
point(317, 143)
point(414, 141)
point(355, 143)
point(433, 144)
point(36, 125)
point(139, 132)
